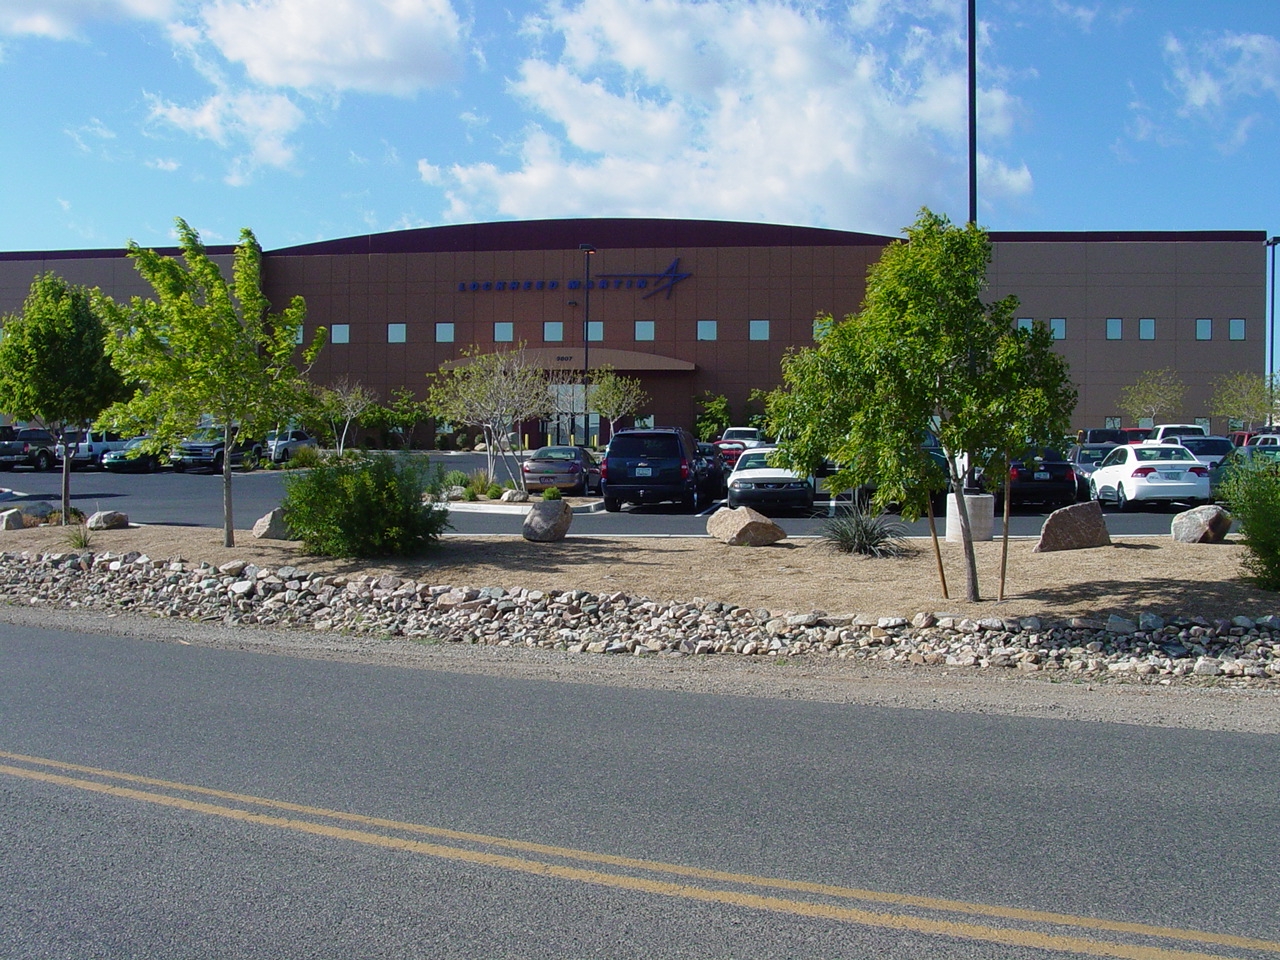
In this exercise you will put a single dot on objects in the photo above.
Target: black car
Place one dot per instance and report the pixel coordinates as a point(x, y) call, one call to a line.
point(131, 458)
point(1040, 476)
point(1084, 459)
point(654, 465)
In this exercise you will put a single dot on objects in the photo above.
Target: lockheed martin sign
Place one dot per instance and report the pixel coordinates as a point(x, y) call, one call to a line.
point(653, 283)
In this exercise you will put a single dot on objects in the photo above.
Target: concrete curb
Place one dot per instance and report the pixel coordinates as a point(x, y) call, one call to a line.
point(513, 509)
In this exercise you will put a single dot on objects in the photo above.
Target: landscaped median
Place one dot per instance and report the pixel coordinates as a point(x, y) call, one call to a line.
point(389, 608)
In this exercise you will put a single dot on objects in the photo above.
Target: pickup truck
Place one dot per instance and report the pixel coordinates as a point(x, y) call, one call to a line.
point(26, 447)
point(205, 448)
point(88, 447)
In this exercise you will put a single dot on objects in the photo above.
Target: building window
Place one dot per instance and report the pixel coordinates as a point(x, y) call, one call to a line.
point(1111, 423)
point(822, 326)
point(1147, 328)
point(444, 333)
point(552, 331)
point(1146, 423)
point(644, 329)
point(706, 329)
point(1025, 323)
point(297, 334)
point(757, 329)
point(504, 331)
point(1115, 328)
point(1204, 328)
point(1235, 328)
point(340, 333)
point(1204, 422)
point(395, 333)
point(595, 331)
point(1058, 328)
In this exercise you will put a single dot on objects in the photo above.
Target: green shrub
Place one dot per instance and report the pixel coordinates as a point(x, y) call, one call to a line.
point(551, 493)
point(304, 458)
point(493, 492)
point(470, 495)
point(368, 508)
point(856, 531)
point(456, 478)
point(1253, 496)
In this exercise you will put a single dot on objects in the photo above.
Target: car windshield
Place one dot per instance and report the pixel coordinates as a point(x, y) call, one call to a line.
point(135, 443)
point(555, 453)
point(73, 436)
point(1163, 453)
point(645, 445)
point(206, 435)
point(1208, 446)
point(1092, 454)
point(753, 461)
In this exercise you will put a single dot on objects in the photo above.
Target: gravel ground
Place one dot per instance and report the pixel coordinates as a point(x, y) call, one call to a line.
point(1164, 577)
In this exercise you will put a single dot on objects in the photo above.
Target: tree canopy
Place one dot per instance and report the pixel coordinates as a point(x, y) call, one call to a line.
point(1246, 397)
point(924, 354)
point(1156, 395)
point(54, 368)
point(208, 348)
point(614, 396)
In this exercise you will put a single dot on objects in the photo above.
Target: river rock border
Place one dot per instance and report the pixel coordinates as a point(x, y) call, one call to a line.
point(1243, 651)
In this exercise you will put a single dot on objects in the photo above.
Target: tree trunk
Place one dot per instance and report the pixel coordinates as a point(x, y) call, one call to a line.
point(966, 531)
point(1004, 546)
point(937, 550)
point(66, 479)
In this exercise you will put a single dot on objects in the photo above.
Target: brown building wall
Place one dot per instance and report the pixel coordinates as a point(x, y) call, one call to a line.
point(675, 273)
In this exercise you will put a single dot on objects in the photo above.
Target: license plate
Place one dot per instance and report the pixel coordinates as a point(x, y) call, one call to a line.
point(1175, 475)
point(644, 471)
point(1042, 475)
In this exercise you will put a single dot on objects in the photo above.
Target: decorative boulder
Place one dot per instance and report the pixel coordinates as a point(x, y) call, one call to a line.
point(743, 527)
point(1207, 524)
point(271, 526)
point(108, 520)
point(547, 520)
point(1076, 527)
point(11, 520)
point(39, 509)
point(514, 496)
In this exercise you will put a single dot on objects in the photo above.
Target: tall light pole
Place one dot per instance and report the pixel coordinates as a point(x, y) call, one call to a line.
point(1271, 339)
point(587, 250)
point(973, 112)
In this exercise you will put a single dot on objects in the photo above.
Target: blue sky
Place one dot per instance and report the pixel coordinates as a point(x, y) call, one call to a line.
point(317, 119)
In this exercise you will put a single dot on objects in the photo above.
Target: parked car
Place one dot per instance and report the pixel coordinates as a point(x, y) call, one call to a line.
point(87, 447)
point(1150, 472)
point(653, 465)
point(729, 451)
point(1241, 458)
point(1043, 475)
point(1084, 459)
point(1164, 432)
point(572, 470)
point(717, 469)
point(205, 448)
point(1134, 434)
point(754, 483)
point(748, 436)
point(1208, 450)
point(1265, 440)
point(283, 444)
point(1096, 435)
point(27, 447)
point(1242, 438)
point(131, 458)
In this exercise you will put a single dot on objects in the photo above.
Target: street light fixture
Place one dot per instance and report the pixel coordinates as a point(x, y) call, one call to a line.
point(587, 250)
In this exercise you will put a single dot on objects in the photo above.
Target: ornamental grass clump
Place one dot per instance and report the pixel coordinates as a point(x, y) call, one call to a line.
point(370, 508)
point(551, 493)
point(1253, 496)
point(857, 531)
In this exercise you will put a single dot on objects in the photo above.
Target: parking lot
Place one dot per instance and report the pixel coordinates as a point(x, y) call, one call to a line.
point(195, 499)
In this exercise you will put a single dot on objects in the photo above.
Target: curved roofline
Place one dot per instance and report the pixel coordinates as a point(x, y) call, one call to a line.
point(606, 232)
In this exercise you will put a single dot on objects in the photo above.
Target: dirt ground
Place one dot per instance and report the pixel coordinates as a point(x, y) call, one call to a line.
point(1134, 574)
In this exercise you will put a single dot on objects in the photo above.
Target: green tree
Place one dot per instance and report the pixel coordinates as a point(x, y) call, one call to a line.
point(339, 406)
point(614, 396)
point(495, 392)
point(714, 417)
point(1246, 397)
point(54, 368)
point(399, 417)
point(924, 353)
point(1156, 395)
point(206, 347)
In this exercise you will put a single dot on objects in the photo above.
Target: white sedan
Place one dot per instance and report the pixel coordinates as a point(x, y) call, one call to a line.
point(754, 483)
point(1161, 472)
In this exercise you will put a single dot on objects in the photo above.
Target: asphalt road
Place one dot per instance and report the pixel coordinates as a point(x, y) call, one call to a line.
point(302, 808)
point(196, 499)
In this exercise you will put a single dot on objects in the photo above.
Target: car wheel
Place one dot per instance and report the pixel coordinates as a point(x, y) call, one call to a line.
point(580, 490)
point(179, 467)
point(217, 464)
point(1123, 503)
point(43, 460)
point(1093, 492)
point(612, 504)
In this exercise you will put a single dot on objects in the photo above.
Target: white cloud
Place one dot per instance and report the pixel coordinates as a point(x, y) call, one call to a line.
point(1218, 80)
point(255, 124)
point(90, 134)
point(165, 165)
point(740, 109)
point(1082, 16)
point(378, 46)
point(63, 19)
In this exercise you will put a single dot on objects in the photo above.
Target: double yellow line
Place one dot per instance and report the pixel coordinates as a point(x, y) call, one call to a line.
point(648, 876)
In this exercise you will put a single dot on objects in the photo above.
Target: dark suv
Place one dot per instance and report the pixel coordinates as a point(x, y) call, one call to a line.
point(654, 465)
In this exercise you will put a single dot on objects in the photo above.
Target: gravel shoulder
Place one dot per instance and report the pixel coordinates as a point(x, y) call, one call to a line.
point(1134, 575)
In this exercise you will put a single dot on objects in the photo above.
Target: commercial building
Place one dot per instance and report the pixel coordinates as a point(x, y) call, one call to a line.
point(692, 307)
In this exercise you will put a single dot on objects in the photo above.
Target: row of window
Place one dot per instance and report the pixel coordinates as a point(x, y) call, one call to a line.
point(1146, 328)
point(504, 331)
